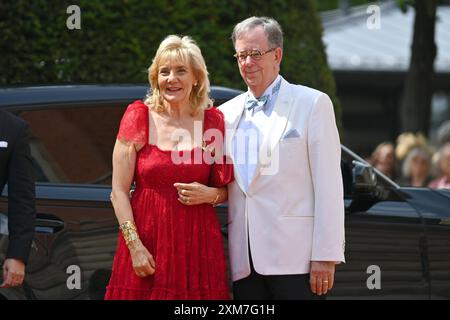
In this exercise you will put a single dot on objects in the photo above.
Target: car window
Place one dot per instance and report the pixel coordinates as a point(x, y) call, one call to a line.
point(74, 144)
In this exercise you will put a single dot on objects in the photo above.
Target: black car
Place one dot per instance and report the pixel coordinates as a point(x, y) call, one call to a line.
point(397, 239)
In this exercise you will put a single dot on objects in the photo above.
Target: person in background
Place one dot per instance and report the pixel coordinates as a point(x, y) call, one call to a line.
point(443, 166)
point(16, 169)
point(416, 168)
point(383, 158)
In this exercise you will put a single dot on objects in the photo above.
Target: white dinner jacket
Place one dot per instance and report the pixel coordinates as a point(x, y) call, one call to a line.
point(293, 210)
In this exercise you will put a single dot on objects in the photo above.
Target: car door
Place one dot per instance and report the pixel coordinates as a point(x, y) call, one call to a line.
point(76, 229)
point(385, 249)
point(434, 208)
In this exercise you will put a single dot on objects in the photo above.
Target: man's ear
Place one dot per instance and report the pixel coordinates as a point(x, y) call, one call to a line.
point(278, 54)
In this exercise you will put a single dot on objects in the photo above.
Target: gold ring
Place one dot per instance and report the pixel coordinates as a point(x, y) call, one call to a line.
point(325, 281)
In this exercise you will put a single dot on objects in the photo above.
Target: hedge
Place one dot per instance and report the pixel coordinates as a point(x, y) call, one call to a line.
point(118, 39)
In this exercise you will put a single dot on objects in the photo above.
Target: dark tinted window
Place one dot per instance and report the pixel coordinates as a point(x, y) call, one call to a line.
point(74, 145)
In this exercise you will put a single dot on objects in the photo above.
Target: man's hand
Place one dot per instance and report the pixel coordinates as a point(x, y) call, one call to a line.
point(13, 273)
point(321, 276)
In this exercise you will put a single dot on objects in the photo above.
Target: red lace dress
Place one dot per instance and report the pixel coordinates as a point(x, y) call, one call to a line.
point(185, 241)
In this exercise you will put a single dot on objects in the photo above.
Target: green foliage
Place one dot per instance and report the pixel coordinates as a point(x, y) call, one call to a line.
point(118, 39)
point(323, 5)
point(360, 2)
point(403, 4)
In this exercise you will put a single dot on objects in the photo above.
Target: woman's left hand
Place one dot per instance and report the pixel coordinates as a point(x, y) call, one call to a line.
point(195, 193)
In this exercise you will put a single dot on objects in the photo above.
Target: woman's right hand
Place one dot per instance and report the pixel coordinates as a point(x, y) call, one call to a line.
point(143, 262)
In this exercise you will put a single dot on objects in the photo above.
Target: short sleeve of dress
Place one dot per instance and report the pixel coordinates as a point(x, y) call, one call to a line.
point(222, 170)
point(134, 124)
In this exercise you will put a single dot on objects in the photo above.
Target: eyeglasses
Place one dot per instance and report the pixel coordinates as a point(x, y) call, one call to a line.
point(254, 54)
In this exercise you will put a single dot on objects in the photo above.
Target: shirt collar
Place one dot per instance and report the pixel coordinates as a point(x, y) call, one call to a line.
point(268, 90)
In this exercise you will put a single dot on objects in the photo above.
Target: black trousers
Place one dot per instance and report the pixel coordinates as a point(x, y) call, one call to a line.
point(274, 287)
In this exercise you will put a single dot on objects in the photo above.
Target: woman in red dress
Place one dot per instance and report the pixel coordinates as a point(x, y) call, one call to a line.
point(170, 245)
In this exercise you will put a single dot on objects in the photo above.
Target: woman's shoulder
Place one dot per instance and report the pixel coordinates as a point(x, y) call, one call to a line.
point(214, 115)
point(136, 110)
point(137, 105)
point(439, 182)
point(134, 124)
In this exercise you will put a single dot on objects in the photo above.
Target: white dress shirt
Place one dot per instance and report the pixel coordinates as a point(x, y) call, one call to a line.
point(250, 133)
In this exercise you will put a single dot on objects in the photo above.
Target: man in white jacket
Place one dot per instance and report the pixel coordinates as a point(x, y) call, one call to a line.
point(286, 210)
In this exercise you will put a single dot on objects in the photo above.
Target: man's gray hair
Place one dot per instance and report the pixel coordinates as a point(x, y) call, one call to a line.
point(443, 134)
point(442, 149)
point(271, 28)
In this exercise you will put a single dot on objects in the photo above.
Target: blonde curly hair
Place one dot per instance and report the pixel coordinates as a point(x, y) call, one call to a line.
point(184, 50)
point(408, 141)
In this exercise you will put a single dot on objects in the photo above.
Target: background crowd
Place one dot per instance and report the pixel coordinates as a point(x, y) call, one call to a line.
point(413, 161)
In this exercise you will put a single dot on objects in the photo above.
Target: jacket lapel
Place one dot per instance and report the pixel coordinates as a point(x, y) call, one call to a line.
point(234, 117)
point(268, 152)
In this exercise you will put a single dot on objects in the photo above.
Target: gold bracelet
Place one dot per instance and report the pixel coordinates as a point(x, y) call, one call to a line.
point(217, 198)
point(129, 232)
